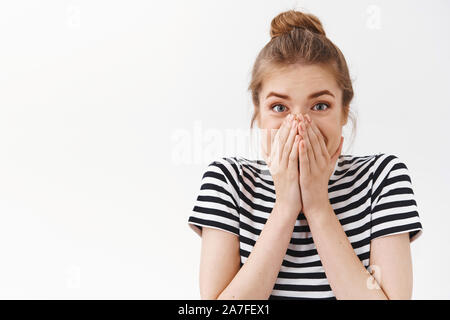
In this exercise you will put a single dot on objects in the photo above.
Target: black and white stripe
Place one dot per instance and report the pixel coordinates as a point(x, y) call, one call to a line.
point(372, 196)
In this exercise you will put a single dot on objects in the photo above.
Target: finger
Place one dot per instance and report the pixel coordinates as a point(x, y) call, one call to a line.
point(278, 131)
point(274, 149)
point(274, 152)
point(300, 135)
point(315, 146)
point(283, 132)
point(302, 121)
point(304, 160)
point(293, 155)
point(282, 135)
point(271, 143)
point(299, 129)
point(309, 150)
point(288, 145)
point(323, 146)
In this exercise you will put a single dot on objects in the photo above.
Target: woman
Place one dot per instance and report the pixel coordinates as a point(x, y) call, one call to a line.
point(306, 222)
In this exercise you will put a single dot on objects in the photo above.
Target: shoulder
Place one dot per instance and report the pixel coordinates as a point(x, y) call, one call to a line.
point(388, 164)
point(226, 169)
point(376, 162)
point(238, 164)
point(354, 165)
point(372, 167)
point(225, 165)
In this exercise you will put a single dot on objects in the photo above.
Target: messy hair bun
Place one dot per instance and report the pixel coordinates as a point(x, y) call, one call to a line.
point(286, 21)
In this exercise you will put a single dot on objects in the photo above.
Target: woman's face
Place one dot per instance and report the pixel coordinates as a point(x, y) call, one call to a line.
point(300, 89)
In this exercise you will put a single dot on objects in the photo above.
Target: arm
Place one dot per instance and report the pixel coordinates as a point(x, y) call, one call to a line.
point(392, 257)
point(346, 274)
point(256, 279)
point(220, 276)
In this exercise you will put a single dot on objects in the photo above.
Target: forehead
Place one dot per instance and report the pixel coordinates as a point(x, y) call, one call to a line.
point(302, 79)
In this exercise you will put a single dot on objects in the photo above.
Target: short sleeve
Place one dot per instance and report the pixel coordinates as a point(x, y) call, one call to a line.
point(394, 209)
point(217, 204)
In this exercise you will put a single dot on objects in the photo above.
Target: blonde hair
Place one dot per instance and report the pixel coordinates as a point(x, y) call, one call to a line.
point(298, 37)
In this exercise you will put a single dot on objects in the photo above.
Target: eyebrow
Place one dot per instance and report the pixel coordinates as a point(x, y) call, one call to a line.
point(311, 96)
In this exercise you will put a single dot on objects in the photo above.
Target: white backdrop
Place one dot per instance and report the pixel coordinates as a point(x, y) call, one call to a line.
point(111, 110)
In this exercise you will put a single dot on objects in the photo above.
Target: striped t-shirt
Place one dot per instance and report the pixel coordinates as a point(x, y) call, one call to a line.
point(372, 197)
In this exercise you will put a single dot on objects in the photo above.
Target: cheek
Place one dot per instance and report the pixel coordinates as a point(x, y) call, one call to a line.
point(268, 122)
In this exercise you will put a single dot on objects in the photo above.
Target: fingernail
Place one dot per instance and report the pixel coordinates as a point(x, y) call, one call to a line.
point(309, 119)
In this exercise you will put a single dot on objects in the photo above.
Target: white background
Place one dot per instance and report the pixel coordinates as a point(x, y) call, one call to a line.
point(95, 95)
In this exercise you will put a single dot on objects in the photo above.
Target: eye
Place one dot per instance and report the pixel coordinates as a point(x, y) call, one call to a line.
point(323, 104)
point(276, 105)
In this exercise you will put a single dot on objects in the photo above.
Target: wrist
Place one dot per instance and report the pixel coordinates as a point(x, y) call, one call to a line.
point(319, 214)
point(286, 209)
